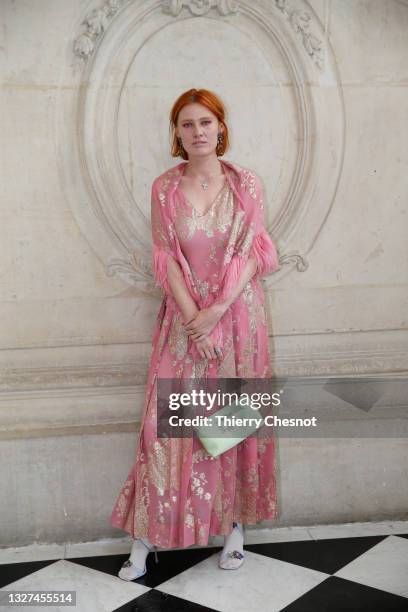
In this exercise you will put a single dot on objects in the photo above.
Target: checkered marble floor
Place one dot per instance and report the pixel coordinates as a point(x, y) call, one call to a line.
point(348, 572)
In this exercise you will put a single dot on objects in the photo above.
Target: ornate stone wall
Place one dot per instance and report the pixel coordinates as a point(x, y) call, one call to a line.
point(316, 99)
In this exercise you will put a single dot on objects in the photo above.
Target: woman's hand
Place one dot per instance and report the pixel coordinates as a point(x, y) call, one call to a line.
point(205, 348)
point(204, 322)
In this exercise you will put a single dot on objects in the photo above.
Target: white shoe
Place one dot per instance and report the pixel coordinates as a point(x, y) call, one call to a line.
point(129, 571)
point(232, 559)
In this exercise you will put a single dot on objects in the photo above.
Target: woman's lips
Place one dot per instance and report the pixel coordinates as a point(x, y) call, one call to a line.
point(199, 143)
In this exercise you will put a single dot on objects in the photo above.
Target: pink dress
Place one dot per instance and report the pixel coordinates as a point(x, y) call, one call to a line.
point(176, 494)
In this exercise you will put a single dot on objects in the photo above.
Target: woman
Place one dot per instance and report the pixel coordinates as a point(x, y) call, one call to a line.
point(210, 248)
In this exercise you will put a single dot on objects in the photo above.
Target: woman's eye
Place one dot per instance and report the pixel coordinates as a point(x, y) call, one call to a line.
point(189, 123)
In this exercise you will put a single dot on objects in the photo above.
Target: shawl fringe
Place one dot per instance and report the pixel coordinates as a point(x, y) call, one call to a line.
point(160, 258)
point(232, 276)
point(264, 251)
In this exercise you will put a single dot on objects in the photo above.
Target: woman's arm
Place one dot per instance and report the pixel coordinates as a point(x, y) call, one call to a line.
point(181, 294)
point(187, 306)
point(205, 320)
point(166, 270)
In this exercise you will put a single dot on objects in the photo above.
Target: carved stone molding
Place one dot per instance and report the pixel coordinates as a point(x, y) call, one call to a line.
point(300, 21)
point(104, 205)
point(70, 378)
point(99, 19)
point(102, 409)
point(353, 354)
point(96, 24)
point(294, 258)
point(199, 7)
point(136, 271)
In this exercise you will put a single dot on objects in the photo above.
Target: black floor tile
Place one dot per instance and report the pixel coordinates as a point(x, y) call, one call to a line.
point(11, 572)
point(400, 535)
point(326, 556)
point(334, 594)
point(155, 601)
point(171, 563)
point(338, 595)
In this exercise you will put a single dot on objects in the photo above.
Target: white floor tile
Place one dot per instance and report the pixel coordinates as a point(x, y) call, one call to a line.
point(95, 591)
point(384, 566)
point(260, 580)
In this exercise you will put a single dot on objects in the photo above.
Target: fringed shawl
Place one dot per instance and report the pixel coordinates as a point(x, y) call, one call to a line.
point(248, 235)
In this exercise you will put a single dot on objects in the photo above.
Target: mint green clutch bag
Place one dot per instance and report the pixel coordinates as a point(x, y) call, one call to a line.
point(226, 431)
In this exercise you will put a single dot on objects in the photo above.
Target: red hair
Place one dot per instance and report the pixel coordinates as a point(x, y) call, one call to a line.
point(213, 103)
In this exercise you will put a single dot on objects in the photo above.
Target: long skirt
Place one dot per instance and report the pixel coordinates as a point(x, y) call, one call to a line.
point(176, 494)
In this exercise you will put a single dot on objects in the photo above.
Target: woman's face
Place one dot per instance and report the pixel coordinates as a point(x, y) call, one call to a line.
point(197, 123)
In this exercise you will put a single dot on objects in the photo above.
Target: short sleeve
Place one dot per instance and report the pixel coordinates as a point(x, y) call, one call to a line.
point(161, 242)
point(263, 248)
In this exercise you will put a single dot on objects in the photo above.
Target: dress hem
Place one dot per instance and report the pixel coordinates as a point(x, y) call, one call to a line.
point(236, 519)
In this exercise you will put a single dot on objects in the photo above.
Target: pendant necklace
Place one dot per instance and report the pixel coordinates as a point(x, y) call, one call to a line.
point(204, 184)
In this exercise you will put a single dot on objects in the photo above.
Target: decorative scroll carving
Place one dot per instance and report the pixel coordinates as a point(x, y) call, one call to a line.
point(139, 273)
point(136, 272)
point(300, 21)
point(125, 232)
point(96, 24)
point(290, 258)
point(98, 20)
point(199, 7)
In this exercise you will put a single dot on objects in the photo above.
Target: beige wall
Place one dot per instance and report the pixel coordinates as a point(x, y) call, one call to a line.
point(318, 108)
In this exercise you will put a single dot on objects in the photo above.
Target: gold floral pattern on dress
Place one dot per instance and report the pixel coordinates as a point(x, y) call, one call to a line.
point(178, 338)
point(248, 296)
point(165, 184)
point(158, 467)
point(236, 229)
point(244, 246)
point(248, 181)
point(228, 367)
point(246, 366)
point(200, 285)
point(175, 480)
point(218, 217)
point(201, 455)
point(198, 483)
point(213, 254)
point(218, 505)
point(199, 368)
